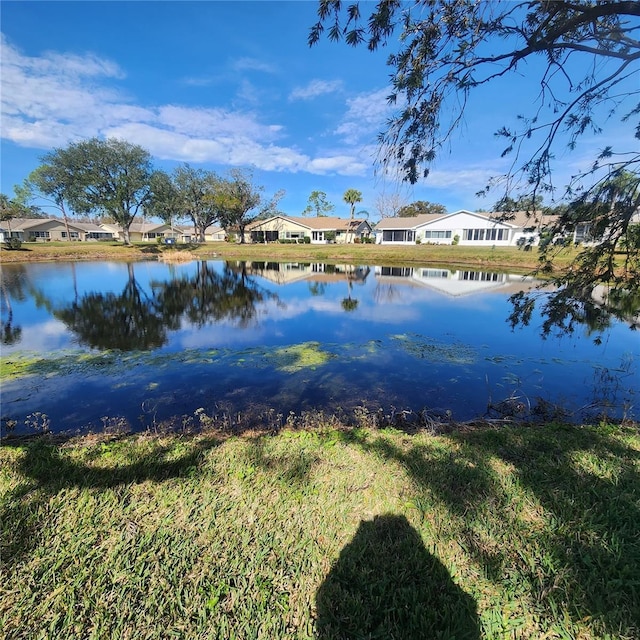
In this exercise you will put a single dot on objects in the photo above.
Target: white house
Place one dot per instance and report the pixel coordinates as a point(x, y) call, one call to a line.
point(462, 227)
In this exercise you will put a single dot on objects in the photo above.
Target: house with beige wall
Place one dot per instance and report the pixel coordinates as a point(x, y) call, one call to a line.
point(319, 230)
point(144, 231)
point(51, 229)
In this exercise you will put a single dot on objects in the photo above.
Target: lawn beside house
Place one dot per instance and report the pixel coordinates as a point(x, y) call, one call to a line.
point(479, 257)
point(492, 532)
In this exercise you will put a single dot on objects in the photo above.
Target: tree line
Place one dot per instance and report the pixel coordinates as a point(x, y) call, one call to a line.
point(116, 179)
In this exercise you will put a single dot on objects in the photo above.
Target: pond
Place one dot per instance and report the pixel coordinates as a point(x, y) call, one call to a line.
point(91, 346)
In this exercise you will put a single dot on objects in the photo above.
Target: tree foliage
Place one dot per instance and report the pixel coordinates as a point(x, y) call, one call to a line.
point(448, 48)
point(187, 194)
point(420, 207)
point(604, 280)
point(109, 176)
point(10, 208)
point(318, 205)
point(239, 201)
point(582, 56)
point(351, 197)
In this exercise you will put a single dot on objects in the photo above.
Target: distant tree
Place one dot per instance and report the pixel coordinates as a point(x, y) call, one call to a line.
point(318, 205)
point(108, 176)
point(387, 205)
point(420, 207)
point(239, 202)
point(10, 209)
point(51, 183)
point(186, 194)
point(351, 197)
point(530, 204)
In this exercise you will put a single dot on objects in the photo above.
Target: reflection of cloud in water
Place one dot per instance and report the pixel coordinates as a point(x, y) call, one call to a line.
point(379, 313)
point(42, 337)
point(216, 335)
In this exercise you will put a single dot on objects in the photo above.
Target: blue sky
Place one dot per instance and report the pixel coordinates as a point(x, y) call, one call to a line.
point(226, 84)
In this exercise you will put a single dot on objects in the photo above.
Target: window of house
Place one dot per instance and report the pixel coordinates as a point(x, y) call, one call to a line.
point(39, 234)
point(317, 235)
point(293, 235)
point(481, 276)
point(435, 273)
point(402, 272)
point(403, 235)
point(436, 234)
point(486, 234)
point(72, 234)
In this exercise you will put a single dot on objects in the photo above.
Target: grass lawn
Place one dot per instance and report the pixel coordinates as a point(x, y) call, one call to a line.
point(506, 532)
point(477, 257)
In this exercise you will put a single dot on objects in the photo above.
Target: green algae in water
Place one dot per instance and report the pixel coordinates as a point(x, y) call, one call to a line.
point(23, 364)
point(429, 349)
point(297, 357)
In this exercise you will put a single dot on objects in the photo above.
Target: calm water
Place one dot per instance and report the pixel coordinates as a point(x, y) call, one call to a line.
point(101, 344)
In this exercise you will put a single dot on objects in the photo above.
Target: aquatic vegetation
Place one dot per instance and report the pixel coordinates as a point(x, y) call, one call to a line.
point(307, 355)
point(430, 349)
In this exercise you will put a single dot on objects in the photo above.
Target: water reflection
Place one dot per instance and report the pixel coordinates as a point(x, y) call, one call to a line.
point(126, 321)
point(116, 339)
point(209, 296)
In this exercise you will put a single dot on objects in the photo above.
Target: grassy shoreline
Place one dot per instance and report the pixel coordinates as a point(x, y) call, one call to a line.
point(478, 257)
point(483, 533)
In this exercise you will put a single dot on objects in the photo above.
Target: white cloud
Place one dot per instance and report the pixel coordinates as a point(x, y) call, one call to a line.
point(344, 165)
point(461, 177)
point(50, 101)
point(253, 64)
point(315, 88)
point(366, 116)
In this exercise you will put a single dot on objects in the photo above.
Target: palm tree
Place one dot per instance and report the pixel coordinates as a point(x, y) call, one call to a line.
point(351, 196)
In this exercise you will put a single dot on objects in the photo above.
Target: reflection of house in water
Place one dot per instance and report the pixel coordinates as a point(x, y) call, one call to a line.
point(289, 272)
point(461, 282)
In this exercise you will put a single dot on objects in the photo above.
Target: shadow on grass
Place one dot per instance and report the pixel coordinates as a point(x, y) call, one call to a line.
point(49, 469)
point(579, 549)
point(385, 584)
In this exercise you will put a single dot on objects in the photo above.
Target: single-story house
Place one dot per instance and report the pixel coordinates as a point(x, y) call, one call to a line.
point(212, 233)
point(462, 227)
point(319, 230)
point(144, 231)
point(48, 229)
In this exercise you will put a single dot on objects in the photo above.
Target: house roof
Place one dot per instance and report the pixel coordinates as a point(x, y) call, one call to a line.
point(86, 226)
point(409, 222)
point(20, 224)
point(140, 227)
point(523, 219)
point(517, 219)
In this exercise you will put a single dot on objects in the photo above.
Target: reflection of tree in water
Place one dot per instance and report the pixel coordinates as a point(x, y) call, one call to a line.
point(359, 276)
point(12, 287)
point(128, 321)
point(317, 288)
point(570, 307)
point(385, 584)
point(211, 296)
